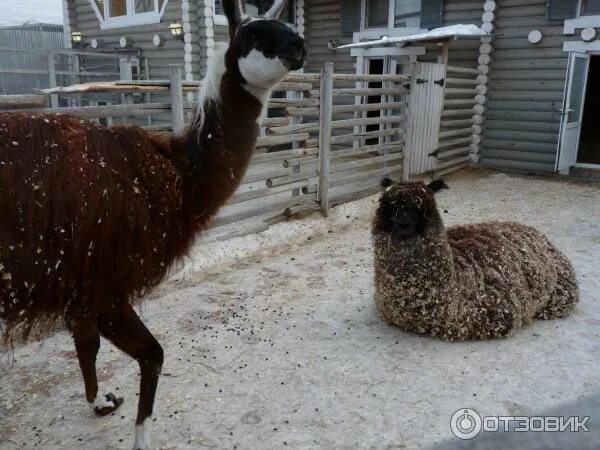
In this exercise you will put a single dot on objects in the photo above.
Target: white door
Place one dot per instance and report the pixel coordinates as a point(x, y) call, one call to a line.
point(572, 112)
point(425, 103)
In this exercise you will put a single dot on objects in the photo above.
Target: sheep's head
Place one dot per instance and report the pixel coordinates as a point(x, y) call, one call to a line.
point(405, 208)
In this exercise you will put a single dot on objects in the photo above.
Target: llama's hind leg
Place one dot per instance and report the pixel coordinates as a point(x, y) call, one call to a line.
point(125, 329)
point(87, 344)
point(565, 295)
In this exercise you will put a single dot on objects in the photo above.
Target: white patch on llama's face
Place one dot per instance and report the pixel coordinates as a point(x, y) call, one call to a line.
point(261, 73)
point(142, 435)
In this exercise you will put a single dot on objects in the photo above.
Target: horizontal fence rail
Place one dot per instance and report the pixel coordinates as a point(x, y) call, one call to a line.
point(462, 116)
point(326, 138)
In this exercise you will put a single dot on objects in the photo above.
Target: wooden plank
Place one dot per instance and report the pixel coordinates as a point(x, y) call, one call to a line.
point(465, 70)
point(365, 162)
point(325, 115)
point(176, 90)
point(267, 141)
point(20, 101)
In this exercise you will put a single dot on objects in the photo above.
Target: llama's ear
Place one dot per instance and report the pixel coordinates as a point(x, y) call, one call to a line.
point(437, 185)
point(234, 11)
point(386, 183)
point(275, 10)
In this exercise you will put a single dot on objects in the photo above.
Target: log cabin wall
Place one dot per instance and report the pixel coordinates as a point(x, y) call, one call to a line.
point(526, 89)
point(194, 15)
point(323, 25)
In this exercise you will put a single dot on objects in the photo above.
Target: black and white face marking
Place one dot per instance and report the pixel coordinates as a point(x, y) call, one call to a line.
point(267, 50)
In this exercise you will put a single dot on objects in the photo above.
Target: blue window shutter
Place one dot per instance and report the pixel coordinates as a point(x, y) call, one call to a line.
point(350, 17)
point(432, 13)
point(561, 9)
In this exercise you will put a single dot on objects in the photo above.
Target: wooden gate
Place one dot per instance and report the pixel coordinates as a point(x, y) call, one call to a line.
point(425, 103)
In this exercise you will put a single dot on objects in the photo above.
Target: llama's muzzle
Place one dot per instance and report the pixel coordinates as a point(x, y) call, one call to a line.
point(295, 53)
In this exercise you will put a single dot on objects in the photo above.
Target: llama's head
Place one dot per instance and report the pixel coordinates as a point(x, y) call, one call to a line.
point(261, 49)
point(405, 208)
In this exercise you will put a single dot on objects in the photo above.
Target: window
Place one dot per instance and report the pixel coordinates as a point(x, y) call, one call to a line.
point(377, 14)
point(407, 13)
point(256, 8)
point(124, 13)
point(590, 7)
point(392, 13)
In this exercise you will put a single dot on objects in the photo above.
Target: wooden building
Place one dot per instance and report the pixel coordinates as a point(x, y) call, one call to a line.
point(539, 73)
point(529, 98)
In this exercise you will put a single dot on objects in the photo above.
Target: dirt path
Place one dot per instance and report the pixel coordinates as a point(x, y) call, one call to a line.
point(285, 348)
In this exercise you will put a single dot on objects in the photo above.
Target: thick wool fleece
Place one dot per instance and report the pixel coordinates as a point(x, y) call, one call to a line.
point(468, 282)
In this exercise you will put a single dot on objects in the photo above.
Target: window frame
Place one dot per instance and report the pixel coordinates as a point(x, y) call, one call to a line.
point(391, 18)
point(221, 19)
point(131, 18)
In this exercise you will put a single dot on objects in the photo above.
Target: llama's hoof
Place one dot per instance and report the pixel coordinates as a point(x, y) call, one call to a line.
point(107, 405)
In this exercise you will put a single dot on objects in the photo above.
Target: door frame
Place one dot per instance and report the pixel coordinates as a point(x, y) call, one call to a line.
point(587, 80)
point(564, 124)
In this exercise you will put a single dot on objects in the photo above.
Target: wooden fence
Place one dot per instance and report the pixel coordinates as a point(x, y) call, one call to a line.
point(462, 116)
point(326, 139)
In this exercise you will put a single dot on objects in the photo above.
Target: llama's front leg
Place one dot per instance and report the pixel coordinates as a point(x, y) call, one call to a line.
point(87, 344)
point(125, 329)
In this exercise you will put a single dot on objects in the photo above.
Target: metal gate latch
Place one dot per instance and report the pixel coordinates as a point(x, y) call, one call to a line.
point(422, 81)
point(441, 82)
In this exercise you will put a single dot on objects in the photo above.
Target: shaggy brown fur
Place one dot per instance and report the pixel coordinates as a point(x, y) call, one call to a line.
point(475, 281)
point(93, 213)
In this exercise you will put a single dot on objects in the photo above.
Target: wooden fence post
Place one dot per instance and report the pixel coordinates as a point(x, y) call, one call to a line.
point(52, 76)
point(325, 118)
point(177, 99)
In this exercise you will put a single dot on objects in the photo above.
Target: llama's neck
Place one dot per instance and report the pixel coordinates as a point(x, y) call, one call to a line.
point(218, 147)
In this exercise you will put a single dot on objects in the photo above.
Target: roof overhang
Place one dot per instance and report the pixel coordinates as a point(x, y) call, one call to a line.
point(437, 35)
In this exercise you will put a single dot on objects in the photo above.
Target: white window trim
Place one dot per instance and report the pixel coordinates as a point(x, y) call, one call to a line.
point(129, 20)
point(221, 19)
point(580, 21)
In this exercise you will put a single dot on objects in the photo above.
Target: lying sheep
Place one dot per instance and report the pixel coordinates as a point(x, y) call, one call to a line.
point(475, 281)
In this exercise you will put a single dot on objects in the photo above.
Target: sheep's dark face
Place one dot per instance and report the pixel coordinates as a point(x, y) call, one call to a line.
point(406, 222)
point(403, 208)
point(401, 215)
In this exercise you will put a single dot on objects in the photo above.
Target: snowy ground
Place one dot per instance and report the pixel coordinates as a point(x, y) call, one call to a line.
point(273, 340)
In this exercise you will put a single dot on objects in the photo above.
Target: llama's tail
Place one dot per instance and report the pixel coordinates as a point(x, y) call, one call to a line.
point(565, 295)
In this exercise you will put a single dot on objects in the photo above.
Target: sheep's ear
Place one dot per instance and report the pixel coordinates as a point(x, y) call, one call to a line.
point(275, 10)
point(234, 11)
point(437, 185)
point(386, 182)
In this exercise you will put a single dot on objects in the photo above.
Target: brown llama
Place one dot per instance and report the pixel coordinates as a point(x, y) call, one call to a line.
point(93, 217)
point(476, 281)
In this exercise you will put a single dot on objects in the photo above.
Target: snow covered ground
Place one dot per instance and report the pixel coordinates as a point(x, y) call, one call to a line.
point(30, 11)
point(272, 340)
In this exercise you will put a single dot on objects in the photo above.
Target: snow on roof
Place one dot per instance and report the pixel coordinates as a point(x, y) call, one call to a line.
point(437, 34)
point(30, 11)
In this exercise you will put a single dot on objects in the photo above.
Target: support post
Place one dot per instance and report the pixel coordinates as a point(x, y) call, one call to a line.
point(177, 99)
point(325, 118)
point(52, 80)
